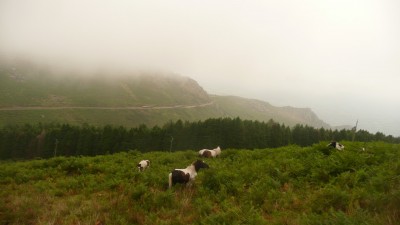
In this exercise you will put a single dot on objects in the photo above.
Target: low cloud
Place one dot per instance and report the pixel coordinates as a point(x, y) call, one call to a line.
point(339, 58)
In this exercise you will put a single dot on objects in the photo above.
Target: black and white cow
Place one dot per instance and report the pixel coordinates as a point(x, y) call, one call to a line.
point(142, 165)
point(184, 176)
point(336, 145)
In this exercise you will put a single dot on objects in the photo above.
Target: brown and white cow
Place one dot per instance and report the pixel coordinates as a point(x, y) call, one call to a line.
point(210, 153)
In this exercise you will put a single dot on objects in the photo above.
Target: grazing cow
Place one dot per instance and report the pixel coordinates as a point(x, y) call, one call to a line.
point(210, 153)
point(202, 151)
point(143, 165)
point(336, 145)
point(184, 176)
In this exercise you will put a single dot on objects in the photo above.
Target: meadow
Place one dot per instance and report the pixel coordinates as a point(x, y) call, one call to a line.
point(287, 185)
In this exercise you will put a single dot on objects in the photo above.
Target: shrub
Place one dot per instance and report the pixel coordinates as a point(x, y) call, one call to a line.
point(138, 192)
point(260, 192)
point(330, 197)
point(72, 166)
point(332, 217)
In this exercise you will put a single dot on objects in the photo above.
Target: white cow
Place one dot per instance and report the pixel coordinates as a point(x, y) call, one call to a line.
point(142, 165)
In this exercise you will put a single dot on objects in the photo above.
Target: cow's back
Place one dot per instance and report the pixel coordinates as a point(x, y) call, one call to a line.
point(178, 176)
point(207, 154)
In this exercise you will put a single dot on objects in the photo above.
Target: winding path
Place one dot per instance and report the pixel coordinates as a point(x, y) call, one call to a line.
point(145, 107)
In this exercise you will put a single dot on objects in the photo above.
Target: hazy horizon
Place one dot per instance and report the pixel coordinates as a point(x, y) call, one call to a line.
point(339, 58)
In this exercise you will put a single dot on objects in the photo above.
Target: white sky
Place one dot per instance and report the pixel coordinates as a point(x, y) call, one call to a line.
point(341, 58)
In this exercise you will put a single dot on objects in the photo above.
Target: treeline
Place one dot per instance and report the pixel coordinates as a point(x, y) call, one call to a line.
point(48, 140)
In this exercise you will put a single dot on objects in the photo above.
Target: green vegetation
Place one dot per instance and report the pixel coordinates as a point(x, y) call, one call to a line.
point(33, 95)
point(103, 117)
point(30, 87)
point(287, 185)
point(253, 109)
point(48, 140)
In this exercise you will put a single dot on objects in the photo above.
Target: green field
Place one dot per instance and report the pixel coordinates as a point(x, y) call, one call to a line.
point(288, 185)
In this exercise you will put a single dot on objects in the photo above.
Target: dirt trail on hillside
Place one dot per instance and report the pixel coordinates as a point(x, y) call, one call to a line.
point(145, 107)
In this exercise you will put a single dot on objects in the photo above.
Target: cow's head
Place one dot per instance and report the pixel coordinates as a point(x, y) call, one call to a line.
point(199, 164)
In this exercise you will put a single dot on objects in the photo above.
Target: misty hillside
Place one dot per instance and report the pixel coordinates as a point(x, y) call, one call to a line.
point(253, 109)
point(42, 88)
point(29, 94)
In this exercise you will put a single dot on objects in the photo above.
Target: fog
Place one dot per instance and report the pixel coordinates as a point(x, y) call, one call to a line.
point(339, 58)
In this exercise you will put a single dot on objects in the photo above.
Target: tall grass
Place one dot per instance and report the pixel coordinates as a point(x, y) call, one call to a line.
point(288, 185)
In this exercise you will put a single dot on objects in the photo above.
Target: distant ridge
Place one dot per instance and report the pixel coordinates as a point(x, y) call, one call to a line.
point(29, 94)
point(253, 109)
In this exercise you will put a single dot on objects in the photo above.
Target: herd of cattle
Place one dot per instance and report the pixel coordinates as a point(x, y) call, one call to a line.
point(187, 175)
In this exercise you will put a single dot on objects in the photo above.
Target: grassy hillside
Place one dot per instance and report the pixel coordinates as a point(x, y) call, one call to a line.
point(32, 95)
point(101, 117)
point(289, 185)
point(23, 88)
point(253, 109)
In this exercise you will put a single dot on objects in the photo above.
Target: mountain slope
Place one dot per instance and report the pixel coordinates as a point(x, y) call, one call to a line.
point(20, 88)
point(253, 109)
point(30, 95)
